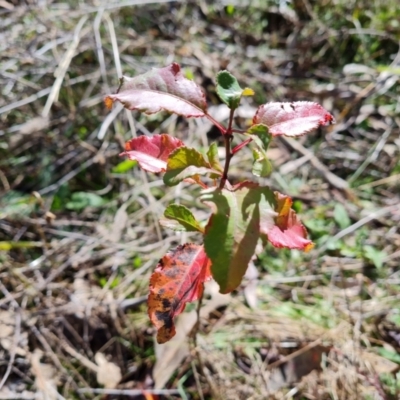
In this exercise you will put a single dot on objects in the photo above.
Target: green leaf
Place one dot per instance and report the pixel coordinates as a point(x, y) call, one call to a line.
point(228, 89)
point(81, 200)
point(376, 256)
point(233, 229)
point(9, 245)
point(262, 166)
point(185, 163)
point(124, 166)
point(180, 218)
point(260, 135)
point(16, 204)
point(230, 9)
point(213, 158)
point(390, 355)
point(395, 318)
point(341, 216)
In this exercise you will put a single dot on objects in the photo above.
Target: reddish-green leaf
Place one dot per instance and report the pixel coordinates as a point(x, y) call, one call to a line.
point(180, 218)
point(287, 231)
point(233, 229)
point(186, 163)
point(151, 152)
point(292, 119)
point(177, 280)
point(161, 89)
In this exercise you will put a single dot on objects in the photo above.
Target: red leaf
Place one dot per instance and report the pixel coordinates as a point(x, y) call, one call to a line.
point(151, 152)
point(177, 280)
point(288, 231)
point(161, 89)
point(292, 119)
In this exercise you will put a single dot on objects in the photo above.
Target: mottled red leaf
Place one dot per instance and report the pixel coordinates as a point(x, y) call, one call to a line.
point(288, 231)
point(177, 280)
point(151, 152)
point(161, 89)
point(292, 119)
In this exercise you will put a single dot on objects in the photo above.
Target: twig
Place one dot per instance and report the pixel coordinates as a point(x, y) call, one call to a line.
point(228, 153)
point(4, 181)
point(203, 369)
point(334, 180)
point(360, 223)
point(17, 333)
point(294, 354)
point(374, 86)
point(67, 177)
point(114, 44)
point(99, 47)
point(378, 146)
point(384, 181)
point(63, 67)
point(197, 379)
point(45, 92)
point(130, 392)
point(108, 121)
point(197, 324)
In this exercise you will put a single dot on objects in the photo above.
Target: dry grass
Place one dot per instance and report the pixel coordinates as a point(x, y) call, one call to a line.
point(79, 232)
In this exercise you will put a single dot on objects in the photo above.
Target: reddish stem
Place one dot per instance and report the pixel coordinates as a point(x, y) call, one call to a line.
point(217, 124)
point(241, 145)
point(238, 131)
point(228, 153)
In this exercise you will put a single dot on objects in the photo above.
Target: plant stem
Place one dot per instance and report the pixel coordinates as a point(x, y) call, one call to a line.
point(197, 325)
point(228, 153)
point(241, 145)
point(217, 124)
point(238, 131)
point(203, 369)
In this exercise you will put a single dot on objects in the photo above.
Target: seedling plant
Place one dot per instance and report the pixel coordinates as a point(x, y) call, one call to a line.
point(241, 214)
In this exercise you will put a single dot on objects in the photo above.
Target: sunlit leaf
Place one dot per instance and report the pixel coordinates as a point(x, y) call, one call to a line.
point(177, 280)
point(161, 89)
point(124, 166)
point(292, 119)
point(261, 136)
point(185, 163)
point(233, 229)
point(180, 218)
point(9, 245)
point(151, 152)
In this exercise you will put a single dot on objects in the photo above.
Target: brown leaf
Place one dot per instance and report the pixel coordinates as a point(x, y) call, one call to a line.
point(177, 280)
